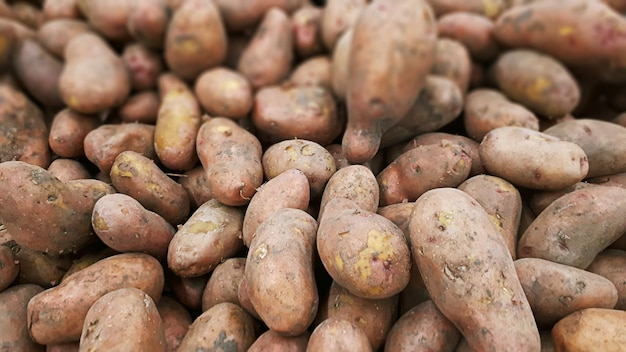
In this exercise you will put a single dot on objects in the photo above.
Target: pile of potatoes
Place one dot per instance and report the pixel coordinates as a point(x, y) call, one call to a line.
point(294, 175)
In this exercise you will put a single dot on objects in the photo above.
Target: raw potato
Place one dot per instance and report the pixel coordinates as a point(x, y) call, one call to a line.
point(141, 107)
point(489, 8)
point(68, 132)
point(210, 235)
point(223, 285)
point(176, 321)
point(60, 9)
point(241, 15)
point(573, 229)
point(225, 327)
point(55, 34)
point(363, 251)
point(284, 247)
point(188, 290)
point(469, 145)
point(540, 200)
point(139, 177)
point(124, 319)
point(224, 92)
point(94, 78)
point(338, 335)
point(14, 332)
point(307, 38)
point(57, 314)
point(315, 71)
point(123, 224)
point(611, 264)
point(354, 182)
point(233, 176)
point(453, 61)
point(592, 329)
point(473, 30)
point(273, 341)
point(147, 22)
point(532, 159)
point(144, 66)
point(338, 17)
point(9, 267)
point(378, 91)
point(107, 17)
point(290, 189)
point(469, 272)
point(340, 65)
point(39, 268)
point(195, 183)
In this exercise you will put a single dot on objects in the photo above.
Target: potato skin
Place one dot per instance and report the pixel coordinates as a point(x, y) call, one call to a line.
point(225, 326)
point(38, 268)
point(271, 341)
point(284, 246)
point(9, 267)
point(340, 65)
point(141, 107)
point(223, 285)
point(354, 182)
point(315, 71)
point(107, 17)
point(489, 8)
point(68, 132)
point(473, 30)
point(307, 39)
point(338, 335)
point(211, 234)
point(233, 176)
point(469, 145)
point(224, 92)
point(195, 182)
point(573, 229)
point(610, 264)
point(14, 334)
point(337, 17)
point(124, 319)
point(453, 61)
point(144, 66)
point(57, 314)
point(591, 329)
point(241, 15)
point(56, 33)
point(176, 320)
point(469, 272)
point(147, 22)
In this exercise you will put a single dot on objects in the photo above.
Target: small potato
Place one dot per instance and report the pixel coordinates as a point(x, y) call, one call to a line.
point(9, 267)
point(103, 144)
point(489, 8)
point(469, 145)
point(307, 34)
point(487, 109)
point(139, 177)
point(142, 107)
point(337, 17)
point(94, 79)
point(196, 184)
point(338, 335)
point(269, 55)
point(147, 22)
point(307, 156)
point(284, 246)
point(273, 341)
point(225, 326)
point(233, 177)
point(55, 34)
point(14, 332)
point(611, 265)
point(532, 159)
point(223, 285)
point(60, 9)
point(340, 65)
point(124, 319)
point(224, 92)
point(473, 30)
point(242, 15)
point(144, 66)
point(210, 235)
point(453, 61)
point(315, 71)
point(107, 17)
point(176, 320)
point(290, 189)
point(591, 329)
point(363, 251)
point(422, 328)
point(68, 169)
point(57, 314)
point(244, 300)
point(123, 224)
point(354, 182)
point(68, 132)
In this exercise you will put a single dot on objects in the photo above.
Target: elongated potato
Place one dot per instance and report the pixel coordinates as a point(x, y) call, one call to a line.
point(210, 235)
point(340, 65)
point(57, 314)
point(573, 229)
point(176, 321)
point(307, 36)
point(469, 272)
point(14, 332)
point(354, 182)
point(284, 246)
point(68, 132)
point(610, 264)
point(124, 319)
point(338, 335)
point(452, 60)
point(223, 285)
point(591, 329)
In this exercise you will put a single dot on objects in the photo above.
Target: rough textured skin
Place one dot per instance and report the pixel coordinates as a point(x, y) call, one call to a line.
point(68, 132)
point(611, 264)
point(124, 319)
point(39, 268)
point(14, 332)
point(338, 335)
point(354, 182)
point(224, 92)
point(57, 314)
point(469, 273)
point(591, 329)
point(223, 285)
point(176, 321)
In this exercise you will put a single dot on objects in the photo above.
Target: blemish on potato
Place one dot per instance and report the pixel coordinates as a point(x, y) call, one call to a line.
point(491, 8)
point(339, 262)
point(566, 30)
point(379, 247)
point(262, 251)
point(202, 227)
point(98, 222)
point(445, 218)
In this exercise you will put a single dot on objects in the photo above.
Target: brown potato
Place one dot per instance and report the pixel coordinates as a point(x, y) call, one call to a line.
point(73, 346)
point(55, 34)
point(124, 319)
point(244, 299)
point(195, 182)
point(107, 17)
point(489, 8)
point(573, 229)
point(147, 22)
point(223, 285)
point(354, 182)
point(469, 272)
point(271, 341)
point(188, 290)
point(60, 9)
point(210, 235)
point(337, 17)
point(225, 326)
point(176, 320)
point(610, 264)
point(469, 145)
point(415, 292)
point(473, 30)
point(94, 79)
point(338, 335)
point(57, 314)
point(591, 329)
point(241, 15)
point(141, 107)
point(144, 66)
point(14, 332)
point(315, 71)
point(88, 259)
point(38, 268)
point(307, 33)
point(224, 92)
point(538, 201)
point(9, 267)
point(29, 14)
point(233, 177)
point(453, 61)
point(68, 131)
point(340, 65)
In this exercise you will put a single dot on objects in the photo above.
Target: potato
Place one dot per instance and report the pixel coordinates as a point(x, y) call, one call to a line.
point(610, 264)
point(421, 169)
point(244, 300)
point(139, 177)
point(363, 251)
point(60, 9)
point(354, 182)
point(422, 328)
point(73, 346)
point(337, 18)
point(141, 107)
point(469, 145)
point(573, 229)
point(103, 144)
point(599, 141)
point(489, 8)
point(388, 46)
point(38, 71)
point(291, 111)
point(123, 224)
point(23, 131)
point(14, 334)
point(57, 314)
point(414, 293)
point(473, 30)
point(177, 124)
point(144, 66)
point(195, 39)
point(55, 34)
point(503, 204)
point(9, 267)
point(63, 210)
point(176, 320)
point(38, 268)
point(290, 189)
point(233, 176)
point(273, 341)
point(537, 81)
point(267, 58)
point(188, 290)
point(453, 61)
point(210, 235)
point(487, 109)
point(225, 326)
point(147, 22)
point(241, 15)
point(223, 285)
point(307, 156)
point(224, 92)
point(538, 201)
point(195, 182)
point(29, 14)
point(553, 163)
point(124, 319)
point(569, 31)
point(107, 17)
point(591, 329)
point(469, 272)
point(88, 259)
point(340, 65)
point(68, 132)
point(315, 71)
point(338, 335)
point(307, 36)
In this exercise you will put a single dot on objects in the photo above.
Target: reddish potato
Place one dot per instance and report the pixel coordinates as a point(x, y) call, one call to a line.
point(338, 335)
point(196, 184)
point(176, 320)
point(315, 71)
point(55, 34)
point(223, 285)
point(14, 332)
point(306, 23)
point(147, 22)
point(354, 182)
point(489, 8)
point(38, 268)
point(452, 60)
point(142, 107)
point(224, 92)
point(144, 66)
point(340, 65)
point(469, 145)
point(188, 290)
point(271, 341)
point(474, 31)
point(591, 329)
point(337, 17)
point(610, 264)
point(68, 169)
point(68, 132)
point(9, 267)
point(241, 15)
point(107, 17)
point(60, 9)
